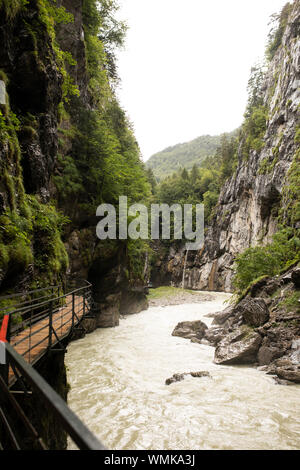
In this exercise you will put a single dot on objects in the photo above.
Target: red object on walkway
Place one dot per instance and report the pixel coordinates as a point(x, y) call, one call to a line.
point(3, 331)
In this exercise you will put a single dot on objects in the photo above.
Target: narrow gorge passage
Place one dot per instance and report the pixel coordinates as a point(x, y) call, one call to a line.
point(117, 379)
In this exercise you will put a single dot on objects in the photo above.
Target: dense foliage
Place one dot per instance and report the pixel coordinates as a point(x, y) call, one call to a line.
point(12, 7)
point(200, 184)
point(99, 158)
point(267, 260)
point(30, 231)
point(203, 183)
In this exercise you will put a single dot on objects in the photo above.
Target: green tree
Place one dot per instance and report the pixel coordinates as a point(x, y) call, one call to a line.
point(279, 23)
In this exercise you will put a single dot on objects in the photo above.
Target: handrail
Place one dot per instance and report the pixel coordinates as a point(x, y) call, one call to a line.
point(57, 312)
point(79, 433)
point(29, 301)
point(20, 294)
point(27, 313)
point(41, 322)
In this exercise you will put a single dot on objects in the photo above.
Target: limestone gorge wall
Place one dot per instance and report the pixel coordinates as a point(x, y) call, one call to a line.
point(249, 203)
point(60, 125)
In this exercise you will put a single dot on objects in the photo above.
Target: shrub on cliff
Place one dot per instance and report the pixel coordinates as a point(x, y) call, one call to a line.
point(267, 260)
point(276, 33)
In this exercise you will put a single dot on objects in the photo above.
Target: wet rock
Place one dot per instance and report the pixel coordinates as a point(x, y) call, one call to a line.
point(296, 344)
point(291, 373)
point(267, 354)
point(283, 362)
point(277, 341)
point(89, 324)
point(180, 377)
point(221, 317)
point(175, 378)
point(287, 278)
point(200, 374)
point(2, 92)
point(295, 356)
point(215, 335)
point(108, 312)
point(197, 341)
point(275, 344)
point(296, 277)
point(190, 329)
point(133, 301)
point(239, 347)
point(283, 382)
point(269, 370)
point(259, 285)
point(254, 311)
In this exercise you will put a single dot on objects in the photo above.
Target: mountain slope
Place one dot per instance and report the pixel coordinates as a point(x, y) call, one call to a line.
point(184, 155)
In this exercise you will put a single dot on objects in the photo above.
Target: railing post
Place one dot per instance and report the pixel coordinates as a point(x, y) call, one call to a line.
point(83, 310)
point(3, 365)
point(8, 334)
point(73, 309)
point(50, 324)
point(31, 315)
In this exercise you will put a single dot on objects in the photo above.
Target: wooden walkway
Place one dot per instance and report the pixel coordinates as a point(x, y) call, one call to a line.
point(34, 341)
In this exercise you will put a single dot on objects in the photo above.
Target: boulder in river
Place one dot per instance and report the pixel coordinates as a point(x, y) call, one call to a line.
point(239, 347)
point(267, 354)
point(290, 373)
point(255, 312)
point(175, 378)
point(220, 318)
point(180, 377)
point(190, 329)
point(215, 335)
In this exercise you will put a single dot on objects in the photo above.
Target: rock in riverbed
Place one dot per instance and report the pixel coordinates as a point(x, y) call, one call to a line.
point(254, 311)
point(215, 335)
point(239, 347)
point(180, 377)
point(292, 373)
point(190, 329)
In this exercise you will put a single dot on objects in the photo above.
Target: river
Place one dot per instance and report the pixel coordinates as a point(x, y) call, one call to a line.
point(117, 378)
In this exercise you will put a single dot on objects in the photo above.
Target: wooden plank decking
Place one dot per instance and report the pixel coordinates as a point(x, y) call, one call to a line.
point(33, 342)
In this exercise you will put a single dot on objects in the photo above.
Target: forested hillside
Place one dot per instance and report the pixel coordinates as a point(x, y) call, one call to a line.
point(202, 184)
point(181, 156)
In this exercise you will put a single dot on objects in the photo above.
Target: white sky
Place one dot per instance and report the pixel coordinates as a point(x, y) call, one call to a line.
point(186, 64)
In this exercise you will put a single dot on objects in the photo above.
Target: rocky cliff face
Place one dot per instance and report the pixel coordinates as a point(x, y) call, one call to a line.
point(28, 147)
point(249, 202)
point(44, 70)
point(104, 265)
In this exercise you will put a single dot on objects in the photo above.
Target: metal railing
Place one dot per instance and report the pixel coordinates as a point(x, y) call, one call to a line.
point(69, 422)
point(35, 324)
point(44, 318)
